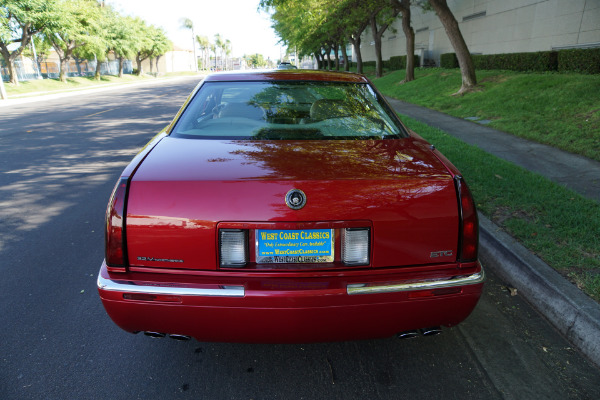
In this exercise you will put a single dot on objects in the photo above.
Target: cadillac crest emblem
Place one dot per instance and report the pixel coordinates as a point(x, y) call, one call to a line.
point(295, 199)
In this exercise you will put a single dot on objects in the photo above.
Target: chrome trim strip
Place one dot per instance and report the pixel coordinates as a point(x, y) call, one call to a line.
point(174, 290)
point(362, 288)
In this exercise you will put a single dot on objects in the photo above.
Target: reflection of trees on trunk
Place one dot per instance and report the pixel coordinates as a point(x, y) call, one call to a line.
point(353, 159)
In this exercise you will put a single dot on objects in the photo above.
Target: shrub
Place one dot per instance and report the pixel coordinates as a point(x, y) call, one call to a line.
point(585, 61)
point(371, 64)
point(399, 62)
point(537, 61)
point(448, 60)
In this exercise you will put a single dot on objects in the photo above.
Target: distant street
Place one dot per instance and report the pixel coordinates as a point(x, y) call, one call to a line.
point(59, 161)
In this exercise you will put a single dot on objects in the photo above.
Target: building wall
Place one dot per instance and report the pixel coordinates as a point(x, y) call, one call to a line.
point(177, 60)
point(494, 27)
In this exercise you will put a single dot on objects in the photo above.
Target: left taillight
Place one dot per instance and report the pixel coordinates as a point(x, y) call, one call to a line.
point(233, 248)
point(116, 256)
point(469, 223)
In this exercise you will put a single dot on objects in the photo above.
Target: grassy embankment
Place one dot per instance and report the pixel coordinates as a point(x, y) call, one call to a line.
point(561, 110)
point(560, 226)
point(51, 86)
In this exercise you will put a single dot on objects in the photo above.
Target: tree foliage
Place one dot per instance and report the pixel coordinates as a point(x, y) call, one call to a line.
point(75, 25)
point(76, 29)
point(256, 61)
point(323, 27)
point(319, 27)
point(19, 21)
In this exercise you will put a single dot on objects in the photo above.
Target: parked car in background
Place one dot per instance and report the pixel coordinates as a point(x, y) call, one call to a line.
point(289, 206)
point(286, 65)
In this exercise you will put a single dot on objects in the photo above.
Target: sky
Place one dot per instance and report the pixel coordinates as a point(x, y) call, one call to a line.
point(239, 21)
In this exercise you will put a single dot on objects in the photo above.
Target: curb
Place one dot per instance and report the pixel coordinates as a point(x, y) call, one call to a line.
point(572, 312)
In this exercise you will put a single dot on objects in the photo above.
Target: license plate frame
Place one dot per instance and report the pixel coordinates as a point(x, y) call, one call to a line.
point(294, 246)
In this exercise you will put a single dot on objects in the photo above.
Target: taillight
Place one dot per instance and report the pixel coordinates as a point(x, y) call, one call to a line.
point(116, 257)
point(469, 223)
point(355, 246)
point(233, 247)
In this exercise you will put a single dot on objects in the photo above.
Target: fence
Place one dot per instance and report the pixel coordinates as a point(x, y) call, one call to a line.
point(26, 69)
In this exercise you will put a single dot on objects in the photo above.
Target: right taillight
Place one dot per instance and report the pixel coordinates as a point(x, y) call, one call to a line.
point(115, 228)
point(355, 246)
point(469, 223)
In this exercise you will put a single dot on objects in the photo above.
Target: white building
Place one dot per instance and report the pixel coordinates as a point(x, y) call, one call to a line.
point(495, 27)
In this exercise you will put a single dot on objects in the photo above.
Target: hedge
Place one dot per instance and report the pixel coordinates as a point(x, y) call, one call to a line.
point(448, 60)
point(398, 62)
point(586, 61)
point(576, 60)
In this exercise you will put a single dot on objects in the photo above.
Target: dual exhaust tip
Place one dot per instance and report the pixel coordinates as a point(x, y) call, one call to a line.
point(158, 335)
point(432, 331)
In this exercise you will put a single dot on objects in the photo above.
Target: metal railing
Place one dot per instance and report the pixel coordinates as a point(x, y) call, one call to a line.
point(27, 69)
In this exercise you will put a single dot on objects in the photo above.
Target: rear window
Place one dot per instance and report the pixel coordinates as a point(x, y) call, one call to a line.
point(287, 111)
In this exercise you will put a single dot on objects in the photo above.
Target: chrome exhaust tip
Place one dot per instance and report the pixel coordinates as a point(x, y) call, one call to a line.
point(155, 334)
point(408, 334)
point(434, 330)
point(180, 337)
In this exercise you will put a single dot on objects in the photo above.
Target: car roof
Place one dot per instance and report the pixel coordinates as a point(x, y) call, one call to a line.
point(286, 75)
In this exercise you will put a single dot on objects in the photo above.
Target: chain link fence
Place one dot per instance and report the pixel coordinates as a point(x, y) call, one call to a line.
point(27, 69)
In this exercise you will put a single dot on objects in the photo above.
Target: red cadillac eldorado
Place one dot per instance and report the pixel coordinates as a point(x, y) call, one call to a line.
point(289, 206)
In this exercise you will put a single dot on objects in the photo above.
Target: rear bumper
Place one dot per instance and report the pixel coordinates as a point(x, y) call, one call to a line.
point(285, 309)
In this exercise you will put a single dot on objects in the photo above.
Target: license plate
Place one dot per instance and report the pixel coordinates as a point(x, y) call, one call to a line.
point(294, 246)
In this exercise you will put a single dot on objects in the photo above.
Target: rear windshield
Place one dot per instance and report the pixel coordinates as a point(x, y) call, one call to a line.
point(287, 111)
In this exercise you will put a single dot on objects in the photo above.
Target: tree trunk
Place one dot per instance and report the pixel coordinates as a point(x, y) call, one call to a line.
point(98, 70)
point(157, 71)
point(9, 58)
point(337, 57)
point(151, 66)
point(355, 40)
point(377, 38)
point(410, 40)
point(318, 58)
point(328, 55)
point(121, 60)
point(345, 56)
point(356, 45)
point(12, 72)
point(78, 65)
point(467, 68)
point(64, 64)
point(138, 62)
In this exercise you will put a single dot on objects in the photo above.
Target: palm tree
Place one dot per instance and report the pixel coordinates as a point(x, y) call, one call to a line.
point(204, 45)
point(187, 23)
point(227, 52)
point(219, 44)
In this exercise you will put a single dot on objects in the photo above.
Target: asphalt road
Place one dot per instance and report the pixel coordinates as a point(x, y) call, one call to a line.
point(58, 163)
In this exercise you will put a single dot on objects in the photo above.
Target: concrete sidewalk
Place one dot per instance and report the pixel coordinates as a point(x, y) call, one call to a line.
point(576, 172)
point(571, 311)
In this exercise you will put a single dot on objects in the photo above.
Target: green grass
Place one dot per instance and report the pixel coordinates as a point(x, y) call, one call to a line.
point(49, 86)
point(555, 223)
point(561, 110)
